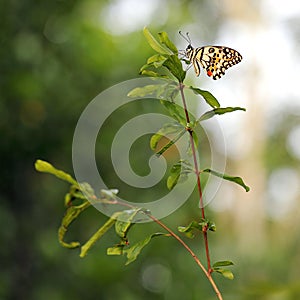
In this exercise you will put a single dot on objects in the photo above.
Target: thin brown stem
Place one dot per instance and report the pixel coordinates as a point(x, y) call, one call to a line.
point(190, 130)
point(174, 235)
point(196, 259)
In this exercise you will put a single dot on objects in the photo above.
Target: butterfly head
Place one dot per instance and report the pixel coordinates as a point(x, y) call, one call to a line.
point(189, 49)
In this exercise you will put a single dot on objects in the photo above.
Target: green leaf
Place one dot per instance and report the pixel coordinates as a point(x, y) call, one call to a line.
point(174, 176)
point(223, 263)
point(168, 128)
point(208, 97)
point(147, 90)
point(194, 225)
point(235, 179)
point(188, 230)
point(171, 143)
point(154, 44)
point(45, 167)
point(71, 214)
point(178, 173)
point(226, 273)
point(218, 111)
point(133, 252)
point(164, 39)
point(97, 235)
point(116, 250)
point(83, 192)
point(173, 64)
point(152, 74)
point(177, 112)
point(156, 60)
point(124, 221)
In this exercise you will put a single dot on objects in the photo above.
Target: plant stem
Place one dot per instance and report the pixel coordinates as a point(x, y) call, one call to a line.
point(174, 235)
point(190, 130)
point(197, 260)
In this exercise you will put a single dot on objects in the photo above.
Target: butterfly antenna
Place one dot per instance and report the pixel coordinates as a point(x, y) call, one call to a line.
point(187, 37)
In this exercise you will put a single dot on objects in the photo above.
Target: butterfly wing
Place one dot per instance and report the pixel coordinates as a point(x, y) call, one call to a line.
point(215, 60)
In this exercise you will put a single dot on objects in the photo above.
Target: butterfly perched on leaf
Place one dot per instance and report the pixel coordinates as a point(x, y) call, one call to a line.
point(214, 59)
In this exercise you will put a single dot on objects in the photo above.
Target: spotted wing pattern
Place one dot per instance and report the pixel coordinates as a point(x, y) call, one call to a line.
point(214, 59)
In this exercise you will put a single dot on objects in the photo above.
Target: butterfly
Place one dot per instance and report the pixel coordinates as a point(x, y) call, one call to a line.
point(214, 59)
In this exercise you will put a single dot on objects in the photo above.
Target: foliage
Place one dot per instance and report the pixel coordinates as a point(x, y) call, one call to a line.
point(164, 64)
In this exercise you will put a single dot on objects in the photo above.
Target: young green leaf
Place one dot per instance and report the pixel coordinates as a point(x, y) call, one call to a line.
point(97, 235)
point(208, 97)
point(226, 273)
point(156, 60)
point(174, 176)
point(124, 221)
point(218, 111)
point(173, 64)
point(145, 91)
point(188, 230)
point(223, 263)
point(235, 179)
point(150, 73)
point(133, 252)
point(194, 225)
point(154, 44)
point(167, 129)
point(171, 143)
point(177, 112)
point(178, 174)
point(115, 250)
point(45, 167)
point(164, 39)
point(84, 193)
point(71, 214)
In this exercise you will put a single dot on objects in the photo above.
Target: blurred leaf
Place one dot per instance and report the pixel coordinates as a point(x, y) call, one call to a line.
point(174, 176)
point(208, 97)
point(218, 111)
point(164, 39)
point(178, 173)
point(156, 60)
point(115, 250)
point(188, 230)
point(133, 252)
point(194, 225)
point(170, 143)
point(124, 221)
point(223, 263)
point(45, 167)
point(155, 45)
point(177, 112)
point(97, 235)
point(71, 214)
point(226, 273)
point(109, 194)
point(237, 180)
point(150, 73)
point(147, 90)
point(173, 64)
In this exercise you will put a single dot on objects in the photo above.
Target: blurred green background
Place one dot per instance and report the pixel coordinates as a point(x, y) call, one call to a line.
point(56, 56)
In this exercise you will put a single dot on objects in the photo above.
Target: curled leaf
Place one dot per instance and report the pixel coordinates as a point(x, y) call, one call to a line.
point(133, 251)
point(235, 179)
point(45, 167)
point(97, 235)
point(155, 45)
point(164, 39)
point(218, 111)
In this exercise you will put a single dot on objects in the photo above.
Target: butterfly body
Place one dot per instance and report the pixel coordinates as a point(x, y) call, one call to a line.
point(214, 59)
